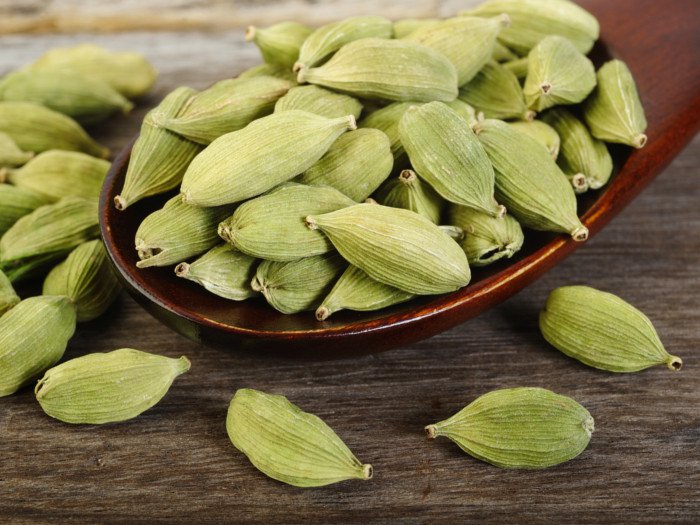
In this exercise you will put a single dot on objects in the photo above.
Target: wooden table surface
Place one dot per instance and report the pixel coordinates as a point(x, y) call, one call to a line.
point(176, 464)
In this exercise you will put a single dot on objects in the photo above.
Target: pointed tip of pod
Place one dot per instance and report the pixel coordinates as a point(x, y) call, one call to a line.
point(370, 200)
point(182, 269)
point(127, 107)
point(225, 232)
point(546, 87)
point(674, 363)
point(640, 141)
point(530, 115)
point(322, 313)
point(589, 425)
point(407, 176)
point(120, 203)
point(580, 183)
point(186, 197)
point(501, 211)
point(504, 20)
point(256, 285)
point(311, 223)
point(249, 33)
point(580, 234)
point(301, 73)
point(352, 122)
point(431, 431)
point(183, 364)
point(367, 471)
point(298, 66)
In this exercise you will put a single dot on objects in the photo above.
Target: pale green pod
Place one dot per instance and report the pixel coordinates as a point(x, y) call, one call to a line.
point(287, 444)
point(396, 247)
point(279, 44)
point(496, 92)
point(177, 232)
point(519, 428)
point(557, 74)
point(465, 111)
point(272, 226)
point(329, 38)
point(10, 154)
point(229, 105)
point(56, 174)
point(376, 68)
point(486, 239)
point(223, 271)
point(8, 296)
point(33, 336)
point(403, 28)
point(529, 182)
point(36, 128)
point(468, 42)
point(533, 20)
point(446, 153)
point(22, 269)
point(270, 70)
point(296, 286)
point(454, 232)
point(502, 54)
point(408, 192)
point(55, 280)
point(355, 290)
point(129, 73)
point(387, 120)
point(614, 112)
point(15, 203)
point(319, 101)
point(264, 154)
point(51, 230)
point(542, 133)
point(86, 99)
point(581, 154)
point(603, 331)
point(356, 164)
point(518, 67)
point(107, 387)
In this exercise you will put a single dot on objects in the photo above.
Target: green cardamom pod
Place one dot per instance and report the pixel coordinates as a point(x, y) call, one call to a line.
point(603, 331)
point(159, 157)
point(229, 105)
point(408, 192)
point(288, 444)
point(403, 28)
point(10, 154)
point(468, 42)
point(15, 203)
point(8, 296)
point(542, 133)
point(56, 174)
point(496, 92)
point(464, 110)
point(387, 120)
point(272, 226)
point(446, 153)
point(614, 112)
point(297, 286)
point(107, 387)
point(417, 73)
point(486, 239)
point(355, 290)
point(22, 269)
point(533, 20)
point(51, 230)
point(33, 337)
point(529, 182)
point(329, 38)
point(502, 54)
point(279, 44)
point(319, 101)
point(518, 67)
point(581, 154)
point(270, 70)
point(36, 128)
point(557, 74)
point(223, 270)
point(396, 247)
point(454, 232)
point(519, 428)
point(177, 232)
point(86, 99)
point(87, 279)
point(264, 154)
point(127, 72)
point(356, 164)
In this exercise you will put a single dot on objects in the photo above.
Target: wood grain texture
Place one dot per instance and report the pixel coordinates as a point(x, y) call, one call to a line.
point(175, 463)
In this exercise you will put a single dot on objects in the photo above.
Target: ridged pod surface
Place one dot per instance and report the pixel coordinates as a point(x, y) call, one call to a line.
point(406, 26)
point(387, 120)
point(8, 296)
point(15, 203)
point(319, 101)
point(270, 70)
point(495, 92)
point(541, 132)
point(408, 192)
point(279, 43)
point(10, 154)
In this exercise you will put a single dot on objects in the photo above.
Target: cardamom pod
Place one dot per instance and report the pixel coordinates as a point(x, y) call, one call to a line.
point(22, 269)
point(356, 164)
point(403, 28)
point(296, 286)
point(223, 270)
point(496, 92)
point(33, 336)
point(614, 112)
point(519, 428)
point(447, 155)
point(56, 174)
point(320, 101)
point(272, 226)
point(177, 232)
point(529, 182)
point(10, 154)
point(417, 73)
point(542, 133)
point(85, 98)
point(107, 387)
point(36, 128)
point(486, 239)
point(87, 279)
point(581, 154)
point(502, 54)
point(279, 43)
point(355, 290)
point(264, 154)
point(15, 203)
point(387, 120)
point(464, 110)
point(396, 247)
point(454, 232)
point(557, 74)
point(533, 20)
point(8, 296)
point(270, 70)
point(519, 67)
point(159, 157)
point(408, 192)
point(602, 331)
point(329, 38)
